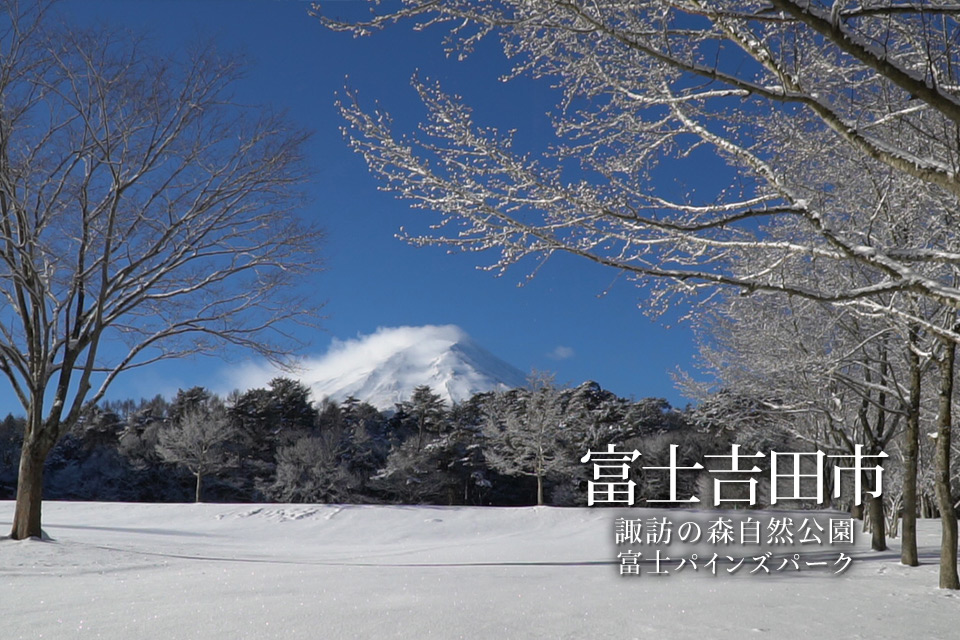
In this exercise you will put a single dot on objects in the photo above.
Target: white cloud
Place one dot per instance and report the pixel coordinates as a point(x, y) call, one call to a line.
point(384, 367)
point(347, 361)
point(561, 352)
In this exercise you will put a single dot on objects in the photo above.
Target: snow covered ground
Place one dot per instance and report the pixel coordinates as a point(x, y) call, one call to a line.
point(144, 571)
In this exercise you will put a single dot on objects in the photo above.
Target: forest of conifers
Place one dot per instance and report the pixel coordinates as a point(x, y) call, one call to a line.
point(275, 444)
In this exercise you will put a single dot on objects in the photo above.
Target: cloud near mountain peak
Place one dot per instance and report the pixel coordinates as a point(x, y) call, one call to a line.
point(383, 367)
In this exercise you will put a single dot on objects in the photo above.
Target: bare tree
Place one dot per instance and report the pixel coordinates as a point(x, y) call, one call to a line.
point(648, 81)
point(143, 216)
point(796, 96)
point(198, 442)
point(832, 378)
point(311, 470)
point(945, 502)
point(524, 432)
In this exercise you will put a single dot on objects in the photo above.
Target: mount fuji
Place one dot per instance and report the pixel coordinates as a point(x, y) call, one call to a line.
point(384, 368)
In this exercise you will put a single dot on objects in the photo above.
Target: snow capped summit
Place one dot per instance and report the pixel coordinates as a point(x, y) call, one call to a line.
point(383, 368)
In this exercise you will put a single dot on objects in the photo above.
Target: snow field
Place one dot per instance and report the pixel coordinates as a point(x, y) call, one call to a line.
point(145, 571)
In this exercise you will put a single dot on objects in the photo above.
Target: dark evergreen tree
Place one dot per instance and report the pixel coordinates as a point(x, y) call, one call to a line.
point(427, 412)
point(189, 401)
point(365, 440)
point(257, 427)
point(11, 436)
point(294, 413)
point(101, 427)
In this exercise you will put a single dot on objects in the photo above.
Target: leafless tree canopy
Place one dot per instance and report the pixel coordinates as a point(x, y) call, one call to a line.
point(837, 125)
point(824, 91)
point(145, 215)
point(198, 442)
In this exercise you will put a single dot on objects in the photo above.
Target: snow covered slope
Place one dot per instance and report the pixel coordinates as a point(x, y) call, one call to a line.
point(309, 572)
point(385, 367)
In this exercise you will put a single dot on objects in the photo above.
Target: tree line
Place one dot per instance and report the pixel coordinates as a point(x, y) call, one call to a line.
point(516, 447)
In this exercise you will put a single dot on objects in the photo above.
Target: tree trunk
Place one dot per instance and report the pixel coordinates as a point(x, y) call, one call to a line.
point(948, 518)
point(893, 517)
point(199, 485)
point(878, 524)
point(539, 490)
point(26, 517)
point(911, 453)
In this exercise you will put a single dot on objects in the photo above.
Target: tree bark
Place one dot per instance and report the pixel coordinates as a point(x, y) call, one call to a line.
point(948, 518)
point(911, 453)
point(199, 485)
point(539, 490)
point(26, 517)
point(878, 524)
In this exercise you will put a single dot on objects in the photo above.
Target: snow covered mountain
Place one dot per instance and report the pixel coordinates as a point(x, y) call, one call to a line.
point(385, 367)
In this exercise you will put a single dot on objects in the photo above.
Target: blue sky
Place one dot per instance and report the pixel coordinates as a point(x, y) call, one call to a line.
point(568, 319)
